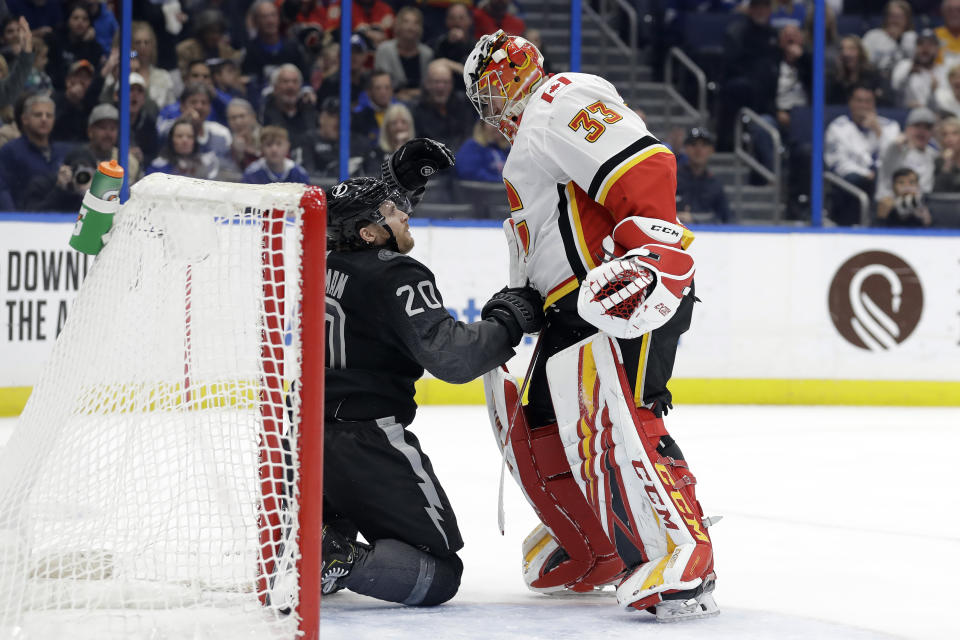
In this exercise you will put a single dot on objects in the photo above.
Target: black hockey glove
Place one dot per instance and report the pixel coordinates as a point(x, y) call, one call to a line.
point(519, 309)
point(415, 162)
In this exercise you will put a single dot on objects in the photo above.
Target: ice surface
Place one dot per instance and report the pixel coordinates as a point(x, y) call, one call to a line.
point(839, 522)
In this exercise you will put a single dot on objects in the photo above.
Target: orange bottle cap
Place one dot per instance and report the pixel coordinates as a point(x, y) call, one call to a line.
point(111, 169)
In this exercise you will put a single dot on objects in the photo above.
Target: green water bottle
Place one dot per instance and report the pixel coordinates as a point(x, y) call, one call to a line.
point(96, 211)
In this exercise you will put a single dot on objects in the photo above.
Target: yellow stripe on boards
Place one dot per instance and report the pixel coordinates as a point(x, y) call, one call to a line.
point(891, 393)
point(13, 400)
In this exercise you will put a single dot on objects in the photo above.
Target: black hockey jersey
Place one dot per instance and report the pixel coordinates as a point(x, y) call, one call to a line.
point(385, 324)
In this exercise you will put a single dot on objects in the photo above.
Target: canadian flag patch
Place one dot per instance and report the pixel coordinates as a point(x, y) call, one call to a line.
point(554, 86)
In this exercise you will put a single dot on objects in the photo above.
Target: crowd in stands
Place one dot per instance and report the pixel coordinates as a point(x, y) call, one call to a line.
point(248, 90)
point(237, 90)
point(892, 94)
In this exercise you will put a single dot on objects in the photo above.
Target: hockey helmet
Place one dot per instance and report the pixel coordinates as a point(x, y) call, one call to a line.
point(501, 74)
point(355, 203)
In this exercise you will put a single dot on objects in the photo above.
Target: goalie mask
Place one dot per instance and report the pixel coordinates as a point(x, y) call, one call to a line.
point(500, 74)
point(355, 203)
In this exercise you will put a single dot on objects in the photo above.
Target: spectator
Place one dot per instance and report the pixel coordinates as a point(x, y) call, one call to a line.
point(160, 85)
point(397, 128)
point(32, 155)
point(405, 58)
point(905, 206)
point(787, 13)
point(199, 74)
point(245, 131)
point(949, 34)
point(309, 12)
point(289, 107)
point(268, 49)
point(324, 161)
point(104, 22)
point(64, 190)
point(372, 18)
point(209, 136)
point(750, 67)
point(166, 19)
point(144, 143)
point(852, 68)
point(914, 79)
point(853, 143)
point(37, 79)
point(700, 195)
point(274, 166)
point(441, 113)
point(227, 85)
point(360, 54)
point(74, 103)
point(75, 40)
point(946, 98)
point(795, 80)
point(15, 76)
point(208, 41)
point(946, 176)
point(366, 122)
point(181, 155)
point(43, 15)
point(895, 40)
point(911, 149)
point(456, 43)
point(482, 157)
point(103, 127)
point(536, 39)
point(491, 15)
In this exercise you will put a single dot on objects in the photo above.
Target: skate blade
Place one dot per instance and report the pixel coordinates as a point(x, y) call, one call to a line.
point(703, 606)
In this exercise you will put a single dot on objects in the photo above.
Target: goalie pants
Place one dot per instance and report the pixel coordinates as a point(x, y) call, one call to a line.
point(377, 480)
point(648, 360)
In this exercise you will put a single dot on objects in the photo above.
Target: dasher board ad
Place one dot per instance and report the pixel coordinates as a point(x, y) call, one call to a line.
point(875, 312)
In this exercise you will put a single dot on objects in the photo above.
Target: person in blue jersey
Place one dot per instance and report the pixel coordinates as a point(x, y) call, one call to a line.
point(274, 165)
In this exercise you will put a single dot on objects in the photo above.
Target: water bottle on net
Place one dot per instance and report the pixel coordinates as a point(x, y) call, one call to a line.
point(96, 212)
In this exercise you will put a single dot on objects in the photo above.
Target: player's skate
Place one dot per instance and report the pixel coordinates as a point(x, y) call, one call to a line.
point(339, 555)
point(671, 586)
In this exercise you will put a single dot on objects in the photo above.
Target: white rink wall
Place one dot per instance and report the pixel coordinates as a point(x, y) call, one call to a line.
point(786, 317)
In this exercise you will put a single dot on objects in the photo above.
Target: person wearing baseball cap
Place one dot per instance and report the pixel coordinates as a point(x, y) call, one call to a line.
point(700, 195)
point(103, 127)
point(913, 150)
point(75, 101)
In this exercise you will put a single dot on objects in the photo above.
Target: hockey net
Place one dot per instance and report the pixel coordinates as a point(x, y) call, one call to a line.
point(158, 484)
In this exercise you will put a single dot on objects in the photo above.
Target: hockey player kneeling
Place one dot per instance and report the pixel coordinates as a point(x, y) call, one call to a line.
point(594, 229)
point(386, 323)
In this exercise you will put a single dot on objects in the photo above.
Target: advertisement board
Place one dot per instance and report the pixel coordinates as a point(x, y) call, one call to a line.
point(783, 317)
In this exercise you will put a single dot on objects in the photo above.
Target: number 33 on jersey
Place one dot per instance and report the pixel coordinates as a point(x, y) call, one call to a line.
point(581, 162)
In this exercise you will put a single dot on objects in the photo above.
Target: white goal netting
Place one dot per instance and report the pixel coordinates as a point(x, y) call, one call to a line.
point(151, 487)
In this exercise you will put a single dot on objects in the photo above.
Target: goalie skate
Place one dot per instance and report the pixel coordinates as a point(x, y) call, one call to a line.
point(701, 605)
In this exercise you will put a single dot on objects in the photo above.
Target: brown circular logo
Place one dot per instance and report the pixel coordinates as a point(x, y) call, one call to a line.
point(875, 300)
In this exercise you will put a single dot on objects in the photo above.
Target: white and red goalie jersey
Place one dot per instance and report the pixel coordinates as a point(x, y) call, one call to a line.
point(583, 162)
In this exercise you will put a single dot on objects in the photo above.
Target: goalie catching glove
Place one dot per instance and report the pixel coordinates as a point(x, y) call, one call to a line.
point(519, 309)
point(416, 161)
point(638, 290)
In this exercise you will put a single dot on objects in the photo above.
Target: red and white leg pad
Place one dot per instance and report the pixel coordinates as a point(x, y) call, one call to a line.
point(571, 550)
point(640, 497)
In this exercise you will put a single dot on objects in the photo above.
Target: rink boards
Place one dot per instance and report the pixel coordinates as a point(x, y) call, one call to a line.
point(787, 316)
